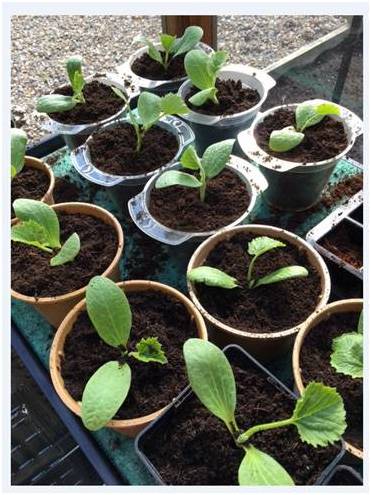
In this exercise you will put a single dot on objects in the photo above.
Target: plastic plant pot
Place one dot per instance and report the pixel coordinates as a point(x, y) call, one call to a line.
point(347, 305)
point(296, 186)
point(342, 471)
point(123, 188)
point(55, 308)
point(263, 346)
point(211, 129)
point(154, 86)
point(32, 162)
point(128, 427)
point(182, 402)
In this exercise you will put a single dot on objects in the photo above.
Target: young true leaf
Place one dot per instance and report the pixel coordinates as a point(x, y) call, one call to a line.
point(74, 66)
point(311, 113)
point(211, 378)
point(109, 311)
point(347, 355)
point(149, 350)
point(177, 178)
point(285, 139)
point(212, 277)
point(260, 245)
point(216, 157)
point(281, 274)
point(31, 233)
point(167, 41)
point(191, 36)
point(172, 104)
point(196, 64)
point(55, 103)
point(149, 108)
point(104, 394)
point(260, 469)
point(18, 143)
point(190, 159)
point(68, 252)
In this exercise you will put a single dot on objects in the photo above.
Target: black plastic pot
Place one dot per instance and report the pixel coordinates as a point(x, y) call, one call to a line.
point(182, 401)
point(344, 476)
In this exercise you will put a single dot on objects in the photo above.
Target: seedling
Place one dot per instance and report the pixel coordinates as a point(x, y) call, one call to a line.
point(203, 70)
point(110, 313)
point(209, 166)
point(171, 46)
point(151, 108)
point(217, 278)
point(60, 103)
point(39, 227)
point(319, 414)
point(347, 355)
point(18, 144)
point(306, 114)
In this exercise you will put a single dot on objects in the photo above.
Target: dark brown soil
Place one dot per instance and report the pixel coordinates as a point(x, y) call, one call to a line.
point(344, 478)
point(29, 183)
point(113, 150)
point(32, 274)
point(268, 308)
point(195, 448)
point(100, 103)
point(153, 385)
point(233, 98)
point(180, 208)
point(315, 365)
point(321, 142)
point(148, 68)
point(65, 191)
point(345, 241)
point(342, 190)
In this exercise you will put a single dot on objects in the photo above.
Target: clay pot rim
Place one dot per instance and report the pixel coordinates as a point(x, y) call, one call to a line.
point(342, 306)
point(260, 229)
point(55, 352)
point(120, 245)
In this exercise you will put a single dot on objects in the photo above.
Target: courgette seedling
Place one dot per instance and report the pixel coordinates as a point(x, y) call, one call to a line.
point(61, 103)
point(171, 46)
point(347, 352)
point(38, 226)
point(151, 108)
point(203, 70)
point(213, 161)
point(18, 145)
point(307, 114)
point(318, 415)
point(110, 313)
point(214, 277)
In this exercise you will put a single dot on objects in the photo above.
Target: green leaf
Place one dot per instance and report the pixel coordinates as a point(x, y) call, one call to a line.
point(167, 41)
point(260, 469)
point(104, 394)
point(347, 355)
point(41, 213)
point(191, 36)
point(18, 144)
point(176, 178)
point(216, 62)
point(196, 64)
point(308, 114)
point(216, 157)
point(190, 159)
point(281, 274)
point(360, 323)
point(13, 171)
point(31, 233)
point(68, 252)
point(78, 83)
point(109, 311)
point(74, 66)
point(212, 277)
point(149, 350)
point(55, 103)
point(172, 104)
point(319, 415)
point(211, 378)
point(201, 97)
point(261, 245)
point(285, 139)
point(149, 108)
point(119, 93)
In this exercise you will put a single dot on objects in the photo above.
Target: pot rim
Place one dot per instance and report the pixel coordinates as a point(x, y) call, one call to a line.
point(78, 292)
point(66, 327)
point(341, 306)
point(227, 232)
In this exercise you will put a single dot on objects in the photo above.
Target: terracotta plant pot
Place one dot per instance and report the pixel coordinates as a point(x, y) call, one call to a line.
point(54, 309)
point(347, 305)
point(32, 162)
point(263, 346)
point(128, 427)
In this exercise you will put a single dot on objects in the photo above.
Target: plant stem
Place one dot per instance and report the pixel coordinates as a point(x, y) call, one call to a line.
point(203, 184)
point(166, 61)
point(139, 135)
point(264, 427)
point(249, 273)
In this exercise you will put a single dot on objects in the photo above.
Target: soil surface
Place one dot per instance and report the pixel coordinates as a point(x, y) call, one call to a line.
point(65, 191)
point(180, 208)
point(345, 241)
point(315, 365)
point(29, 183)
point(148, 68)
point(344, 478)
point(268, 308)
point(195, 448)
point(233, 98)
point(100, 103)
point(32, 274)
point(321, 142)
point(153, 385)
point(113, 150)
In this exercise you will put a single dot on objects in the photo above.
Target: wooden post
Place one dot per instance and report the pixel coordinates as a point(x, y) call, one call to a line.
point(176, 24)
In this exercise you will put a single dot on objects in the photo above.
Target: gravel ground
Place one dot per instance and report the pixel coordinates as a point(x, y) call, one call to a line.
point(40, 44)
